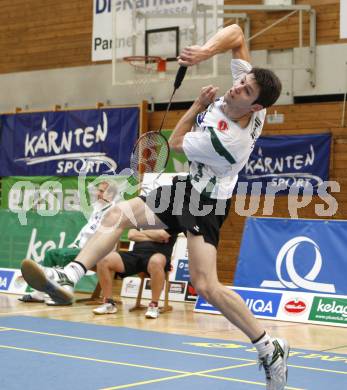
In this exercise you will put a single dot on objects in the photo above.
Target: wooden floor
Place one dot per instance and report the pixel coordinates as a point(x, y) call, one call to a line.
point(182, 320)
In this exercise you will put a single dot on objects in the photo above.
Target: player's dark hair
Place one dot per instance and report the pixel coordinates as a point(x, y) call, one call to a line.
point(270, 86)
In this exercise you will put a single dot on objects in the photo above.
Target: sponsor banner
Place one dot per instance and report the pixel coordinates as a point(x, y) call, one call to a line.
point(182, 271)
point(329, 310)
point(35, 238)
point(180, 265)
point(262, 303)
point(295, 306)
point(288, 306)
point(296, 255)
point(12, 281)
point(124, 28)
point(191, 295)
point(177, 290)
point(6, 276)
point(179, 253)
point(131, 285)
point(280, 162)
point(103, 13)
point(54, 194)
point(62, 143)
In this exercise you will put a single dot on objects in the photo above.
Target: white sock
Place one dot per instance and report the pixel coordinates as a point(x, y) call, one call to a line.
point(74, 271)
point(264, 346)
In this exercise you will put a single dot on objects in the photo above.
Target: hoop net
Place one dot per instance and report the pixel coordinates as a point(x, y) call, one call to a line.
point(145, 70)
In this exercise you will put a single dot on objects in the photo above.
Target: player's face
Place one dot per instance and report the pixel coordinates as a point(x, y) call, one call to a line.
point(102, 187)
point(243, 93)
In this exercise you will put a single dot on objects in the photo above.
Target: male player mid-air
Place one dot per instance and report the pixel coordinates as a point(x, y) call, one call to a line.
point(217, 136)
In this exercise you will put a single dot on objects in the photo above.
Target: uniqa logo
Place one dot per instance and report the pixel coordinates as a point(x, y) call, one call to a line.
point(295, 306)
point(286, 256)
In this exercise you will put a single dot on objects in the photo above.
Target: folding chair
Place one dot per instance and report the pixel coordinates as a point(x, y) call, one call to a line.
point(139, 306)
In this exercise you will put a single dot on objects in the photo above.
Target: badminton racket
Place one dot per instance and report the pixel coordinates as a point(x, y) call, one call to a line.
point(151, 151)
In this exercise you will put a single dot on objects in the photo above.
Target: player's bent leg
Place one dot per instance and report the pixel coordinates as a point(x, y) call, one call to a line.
point(273, 353)
point(203, 272)
point(124, 215)
point(52, 281)
point(129, 214)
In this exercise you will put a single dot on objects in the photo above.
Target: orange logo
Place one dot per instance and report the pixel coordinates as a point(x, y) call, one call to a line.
point(222, 125)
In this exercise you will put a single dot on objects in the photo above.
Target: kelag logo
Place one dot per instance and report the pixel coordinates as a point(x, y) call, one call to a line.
point(328, 309)
point(261, 303)
point(5, 279)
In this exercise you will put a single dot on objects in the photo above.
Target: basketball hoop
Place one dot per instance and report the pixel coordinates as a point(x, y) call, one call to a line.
point(147, 63)
point(145, 71)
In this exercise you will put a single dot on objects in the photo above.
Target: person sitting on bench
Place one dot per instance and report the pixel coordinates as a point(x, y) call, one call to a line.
point(60, 257)
point(151, 254)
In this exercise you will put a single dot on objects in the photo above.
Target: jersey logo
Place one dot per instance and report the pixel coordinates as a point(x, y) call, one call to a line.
point(222, 125)
point(196, 228)
point(200, 117)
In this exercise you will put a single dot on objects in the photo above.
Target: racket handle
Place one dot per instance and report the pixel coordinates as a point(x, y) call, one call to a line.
point(180, 76)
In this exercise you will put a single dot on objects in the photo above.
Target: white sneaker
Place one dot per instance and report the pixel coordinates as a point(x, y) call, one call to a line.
point(52, 281)
point(106, 308)
point(152, 312)
point(275, 366)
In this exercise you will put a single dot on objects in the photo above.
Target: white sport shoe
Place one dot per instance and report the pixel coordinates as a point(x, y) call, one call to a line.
point(52, 281)
point(106, 308)
point(152, 311)
point(275, 366)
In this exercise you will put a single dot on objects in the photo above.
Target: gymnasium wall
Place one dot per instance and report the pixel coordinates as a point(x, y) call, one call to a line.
point(50, 34)
point(46, 60)
point(298, 119)
point(46, 56)
point(285, 35)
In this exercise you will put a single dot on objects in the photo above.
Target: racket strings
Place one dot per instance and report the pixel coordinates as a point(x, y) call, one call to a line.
point(150, 153)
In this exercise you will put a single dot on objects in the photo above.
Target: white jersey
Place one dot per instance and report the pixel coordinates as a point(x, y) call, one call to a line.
point(93, 223)
point(218, 148)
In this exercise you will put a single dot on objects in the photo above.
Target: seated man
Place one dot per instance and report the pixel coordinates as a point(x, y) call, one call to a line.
point(151, 253)
point(105, 193)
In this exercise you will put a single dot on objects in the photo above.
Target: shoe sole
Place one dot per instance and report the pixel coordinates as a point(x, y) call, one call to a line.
point(108, 312)
point(36, 278)
point(31, 300)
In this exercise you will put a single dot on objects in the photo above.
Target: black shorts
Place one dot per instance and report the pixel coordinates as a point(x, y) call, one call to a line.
point(137, 261)
point(181, 208)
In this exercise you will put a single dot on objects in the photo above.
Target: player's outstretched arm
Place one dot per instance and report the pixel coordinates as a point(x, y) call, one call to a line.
point(229, 38)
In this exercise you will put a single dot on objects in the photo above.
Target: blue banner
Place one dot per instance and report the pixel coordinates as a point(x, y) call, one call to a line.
point(280, 162)
point(293, 255)
point(56, 143)
point(260, 303)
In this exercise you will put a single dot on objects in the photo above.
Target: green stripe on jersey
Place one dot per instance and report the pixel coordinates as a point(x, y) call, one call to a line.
point(219, 148)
